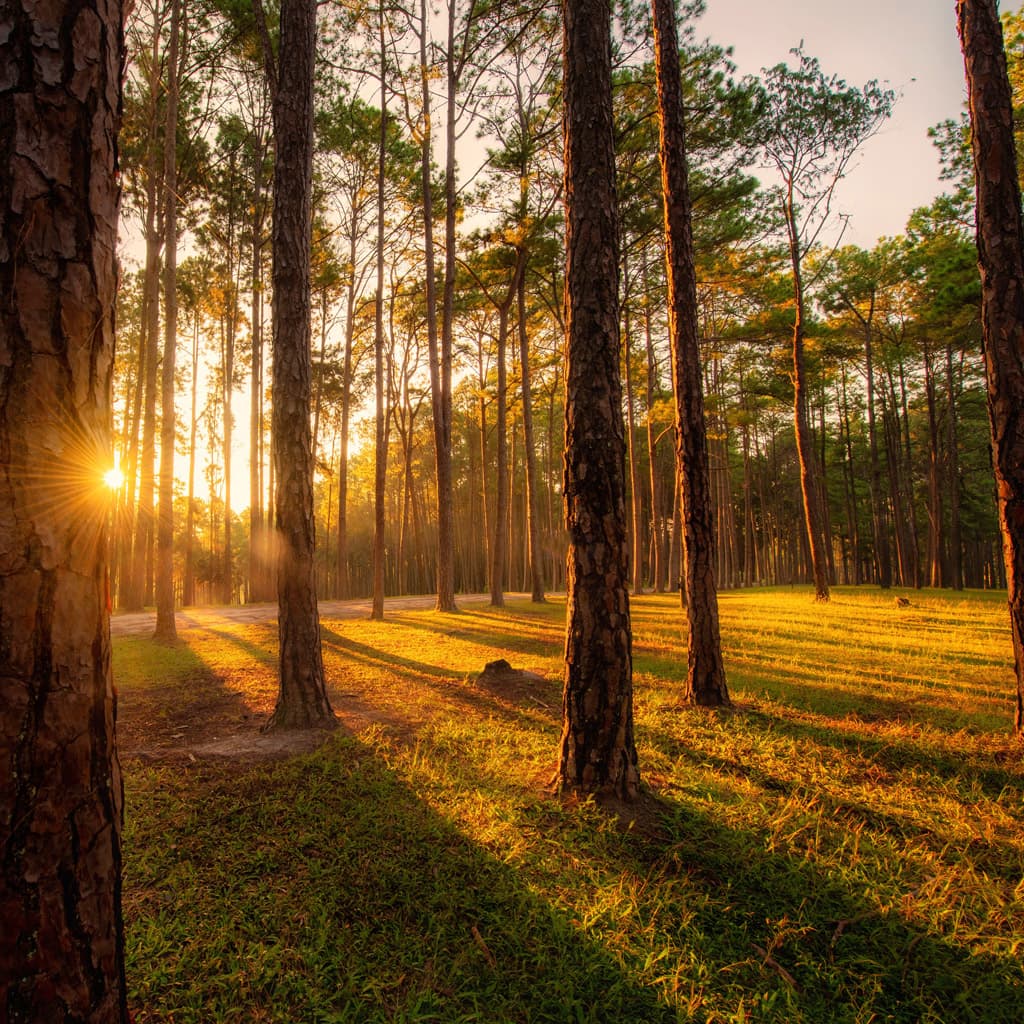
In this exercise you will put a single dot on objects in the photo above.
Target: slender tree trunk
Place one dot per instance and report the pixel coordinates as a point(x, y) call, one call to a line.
point(142, 544)
point(636, 529)
point(166, 629)
point(809, 483)
point(189, 588)
point(302, 701)
point(440, 357)
point(380, 445)
point(955, 546)
point(705, 682)
point(659, 541)
point(259, 547)
point(598, 752)
point(499, 543)
point(1001, 258)
point(61, 932)
point(879, 531)
point(530, 455)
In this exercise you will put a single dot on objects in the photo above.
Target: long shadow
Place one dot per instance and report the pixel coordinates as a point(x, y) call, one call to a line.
point(967, 770)
point(833, 952)
point(998, 859)
point(447, 685)
point(326, 890)
point(497, 638)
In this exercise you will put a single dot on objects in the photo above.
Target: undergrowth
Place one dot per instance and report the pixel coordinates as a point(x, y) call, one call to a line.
point(844, 845)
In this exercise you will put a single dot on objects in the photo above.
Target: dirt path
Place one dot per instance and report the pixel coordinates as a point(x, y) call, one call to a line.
point(219, 715)
point(143, 623)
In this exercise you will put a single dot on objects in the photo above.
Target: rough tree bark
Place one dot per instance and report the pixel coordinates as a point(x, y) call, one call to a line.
point(61, 935)
point(302, 701)
point(598, 752)
point(705, 682)
point(1001, 259)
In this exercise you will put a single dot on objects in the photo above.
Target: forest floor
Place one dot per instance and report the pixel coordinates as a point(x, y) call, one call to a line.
point(845, 845)
point(217, 722)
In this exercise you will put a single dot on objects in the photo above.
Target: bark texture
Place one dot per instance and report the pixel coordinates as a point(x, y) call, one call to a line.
point(302, 701)
point(598, 752)
point(61, 936)
point(705, 682)
point(1001, 259)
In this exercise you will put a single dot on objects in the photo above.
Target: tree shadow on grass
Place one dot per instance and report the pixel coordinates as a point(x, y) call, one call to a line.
point(814, 946)
point(325, 890)
point(488, 630)
point(444, 688)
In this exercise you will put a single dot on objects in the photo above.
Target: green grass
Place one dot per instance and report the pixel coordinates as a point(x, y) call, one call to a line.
point(846, 845)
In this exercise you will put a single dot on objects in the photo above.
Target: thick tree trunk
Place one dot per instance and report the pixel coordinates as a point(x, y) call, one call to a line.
point(705, 683)
point(166, 629)
point(1001, 258)
point(598, 752)
point(61, 935)
point(302, 701)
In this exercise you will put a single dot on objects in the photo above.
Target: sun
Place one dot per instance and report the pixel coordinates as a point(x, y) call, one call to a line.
point(113, 477)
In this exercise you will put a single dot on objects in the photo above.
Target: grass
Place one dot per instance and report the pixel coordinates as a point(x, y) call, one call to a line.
point(846, 845)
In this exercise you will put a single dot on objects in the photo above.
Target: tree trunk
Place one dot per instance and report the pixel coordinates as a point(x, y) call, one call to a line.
point(61, 938)
point(136, 593)
point(530, 455)
point(954, 547)
point(636, 558)
point(499, 545)
point(189, 588)
point(302, 701)
point(440, 357)
point(598, 752)
point(259, 548)
point(705, 683)
point(658, 534)
point(380, 468)
point(879, 531)
point(1001, 259)
point(166, 629)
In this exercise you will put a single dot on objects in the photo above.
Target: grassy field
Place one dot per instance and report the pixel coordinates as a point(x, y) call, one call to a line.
point(847, 844)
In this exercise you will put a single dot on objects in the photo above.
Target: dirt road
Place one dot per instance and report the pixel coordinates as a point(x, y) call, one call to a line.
point(143, 623)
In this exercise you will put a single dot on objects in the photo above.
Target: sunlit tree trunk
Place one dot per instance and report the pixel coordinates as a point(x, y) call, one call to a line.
point(380, 444)
point(440, 360)
point(1001, 258)
point(530, 454)
point(635, 504)
point(138, 581)
point(61, 933)
point(189, 588)
point(598, 751)
point(302, 700)
point(705, 683)
point(166, 630)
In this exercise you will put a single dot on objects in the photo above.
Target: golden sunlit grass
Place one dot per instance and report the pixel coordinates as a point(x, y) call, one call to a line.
point(845, 845)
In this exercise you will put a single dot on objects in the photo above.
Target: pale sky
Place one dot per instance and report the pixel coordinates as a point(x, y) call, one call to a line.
point(910, 44)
